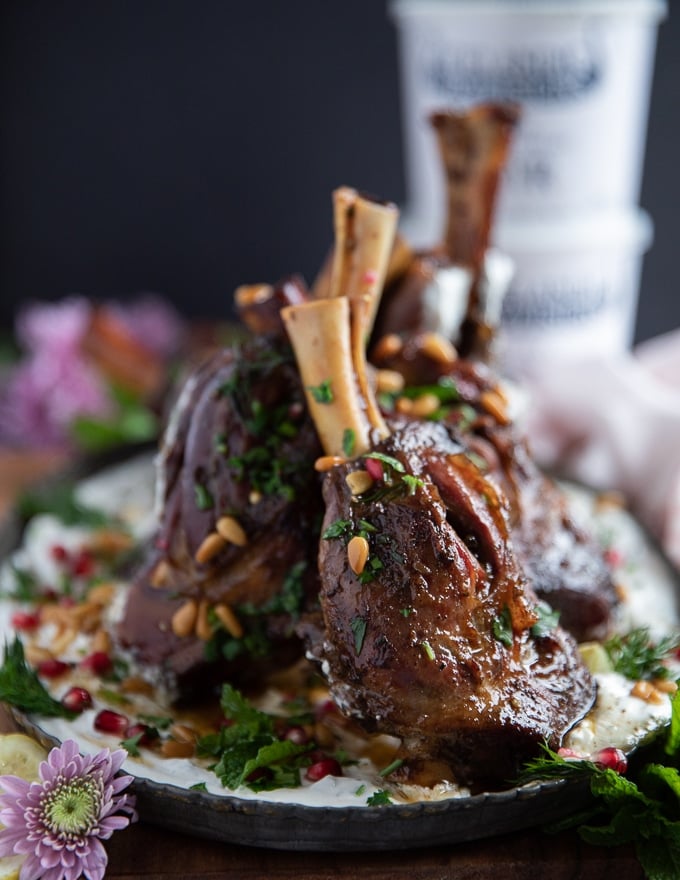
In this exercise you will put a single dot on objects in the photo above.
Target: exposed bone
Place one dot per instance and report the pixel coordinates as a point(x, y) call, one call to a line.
point(364, 235)
point(474, 148)
point(400, 258)
point(319, 332)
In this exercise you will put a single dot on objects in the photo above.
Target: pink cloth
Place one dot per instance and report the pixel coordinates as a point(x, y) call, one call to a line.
point(615, 424)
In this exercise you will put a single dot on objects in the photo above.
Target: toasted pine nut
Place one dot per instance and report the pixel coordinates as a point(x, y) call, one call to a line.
point(326, 462)
point(665, 685)
point(404, 405)
point(232, 531)
point(255, 496)
point(424, 405)
point(229, 620)
point(101, 641)
point(386, 347)
point(133, 684)
point(323, 735)
point(494, 404)
point(161, 574)
point(359, 481)
point(171, 748)
point(183, 733)
point(357, 553)
point(389, 381)
point(645, 690)
point(437, 348)
point(101, 594)
point(211, 546)
point(62, 640)
point(184, 619)
point(203, 629)
point(109, 542)
point(35, 654)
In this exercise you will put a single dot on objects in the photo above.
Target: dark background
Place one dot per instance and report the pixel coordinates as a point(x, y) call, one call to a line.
point(187, 146)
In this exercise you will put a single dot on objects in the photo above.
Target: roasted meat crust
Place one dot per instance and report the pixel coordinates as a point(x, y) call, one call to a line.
point(437, 644)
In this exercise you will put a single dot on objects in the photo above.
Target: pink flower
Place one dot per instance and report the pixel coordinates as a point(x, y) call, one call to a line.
point(58, 823)
point(54, 383)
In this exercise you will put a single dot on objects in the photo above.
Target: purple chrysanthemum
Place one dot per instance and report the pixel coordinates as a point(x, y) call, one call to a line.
point(58, 823)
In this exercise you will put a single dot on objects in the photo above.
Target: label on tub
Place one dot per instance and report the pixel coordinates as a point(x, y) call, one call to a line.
point(583, 81)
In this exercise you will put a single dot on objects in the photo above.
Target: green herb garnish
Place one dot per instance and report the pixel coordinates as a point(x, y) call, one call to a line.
point(394, 765)
point(322, 393)
point(502, 627)
point(249, 752)
point(348, 442)
point(204, 500)
point(379, 799)
point(358, 626)
point(427, 650)
point(389, 460)
point(547, 620)
point(635, 656)
point(21, 687)
point(641, 808)
point(412, 483)
point(60, 502)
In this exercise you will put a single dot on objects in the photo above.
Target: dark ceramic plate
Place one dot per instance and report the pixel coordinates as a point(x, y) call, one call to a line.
point(394, 826)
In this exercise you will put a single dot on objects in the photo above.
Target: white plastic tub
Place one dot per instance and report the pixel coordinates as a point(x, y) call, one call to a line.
point(575, 289)
point(581, 71)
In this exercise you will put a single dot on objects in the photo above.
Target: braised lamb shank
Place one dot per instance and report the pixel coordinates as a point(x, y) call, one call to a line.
point(428, 628)
point(233, 560)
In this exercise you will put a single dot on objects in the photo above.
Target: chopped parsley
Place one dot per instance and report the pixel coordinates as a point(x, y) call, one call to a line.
point(502, 627)
point(348, 442)
point(204, 500)
point(322, 393)
point(426, 648)
point(379, 799)
point(358, 626)
point(547, 620)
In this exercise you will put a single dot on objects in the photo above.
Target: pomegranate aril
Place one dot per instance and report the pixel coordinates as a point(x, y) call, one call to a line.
point(108, 721)
point(374, 468)
point(99, 663)
point(59, 553)
point(611, 759)
point(298, 735)
point(52, 668)
point(25, 620)
point(76, 699)
point(83, 564)
point(324, 767)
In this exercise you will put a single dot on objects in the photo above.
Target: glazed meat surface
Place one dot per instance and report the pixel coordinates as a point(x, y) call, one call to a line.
point(237, 450)
point(438, 638)
point(561, 559)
